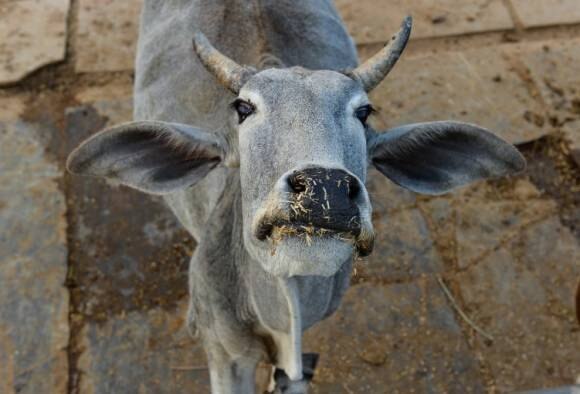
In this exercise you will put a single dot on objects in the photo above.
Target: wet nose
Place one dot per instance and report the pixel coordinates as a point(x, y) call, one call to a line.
point(325, 198)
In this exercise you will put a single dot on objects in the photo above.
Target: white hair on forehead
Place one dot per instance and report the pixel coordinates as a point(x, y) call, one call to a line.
point(252, 96)
point(319, 81)
point(357, 100)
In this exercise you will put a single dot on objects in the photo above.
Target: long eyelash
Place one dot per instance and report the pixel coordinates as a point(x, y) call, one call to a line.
point(234, 103)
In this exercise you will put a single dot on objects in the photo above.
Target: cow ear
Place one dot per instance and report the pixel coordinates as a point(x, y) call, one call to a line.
point(436, 157)
point(154, 157)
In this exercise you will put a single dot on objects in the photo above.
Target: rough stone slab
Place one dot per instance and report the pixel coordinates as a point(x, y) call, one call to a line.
point(147, 266)
point(403, 337)
point(32, 35)
point(574, 389)
point(403, 248)
point(553, 68)
point(471, 223)
point(523, 295)
point(483, 225)
point(534, 13)
point(107, 35)
point(118, 90)
point(403, 245)
point(518, 188)
point(476, 86)
point(386, 196)
point(130, 290)
point(142, 352)
point(371, 21)
point(440, 214)
point(12, 107)
point(34, 303)
point(572, 132)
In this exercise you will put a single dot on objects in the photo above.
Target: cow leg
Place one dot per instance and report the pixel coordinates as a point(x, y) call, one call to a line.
point(228, 376)
point(282, 383)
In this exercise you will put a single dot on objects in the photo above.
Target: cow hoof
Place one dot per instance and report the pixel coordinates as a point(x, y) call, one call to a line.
point(286, 386)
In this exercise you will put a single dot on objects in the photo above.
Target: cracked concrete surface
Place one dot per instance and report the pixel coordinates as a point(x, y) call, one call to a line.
point(83, 310)
point(31, 36)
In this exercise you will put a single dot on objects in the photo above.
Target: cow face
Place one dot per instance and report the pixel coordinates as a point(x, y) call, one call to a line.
point(303, 160)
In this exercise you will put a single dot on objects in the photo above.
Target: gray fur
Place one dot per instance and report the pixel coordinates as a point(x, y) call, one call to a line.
point(154, 157)
point(252, 299)
point(437, 157)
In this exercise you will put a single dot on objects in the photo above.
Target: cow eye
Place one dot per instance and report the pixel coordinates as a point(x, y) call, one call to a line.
point(363, 113)
point(243, 108)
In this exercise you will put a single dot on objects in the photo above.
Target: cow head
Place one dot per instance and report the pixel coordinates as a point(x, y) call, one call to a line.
point(302, 144)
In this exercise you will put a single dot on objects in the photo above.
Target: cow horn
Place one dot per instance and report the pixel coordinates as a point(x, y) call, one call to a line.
point(229, 73)
point(375, 69)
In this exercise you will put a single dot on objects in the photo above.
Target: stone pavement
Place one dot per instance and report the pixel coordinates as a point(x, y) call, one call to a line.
point(468, 292)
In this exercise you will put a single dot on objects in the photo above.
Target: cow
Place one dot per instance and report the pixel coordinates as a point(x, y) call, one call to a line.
point(257, 137)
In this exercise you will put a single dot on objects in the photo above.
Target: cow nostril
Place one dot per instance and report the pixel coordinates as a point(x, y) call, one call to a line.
point(353, 190)
point(297, 182)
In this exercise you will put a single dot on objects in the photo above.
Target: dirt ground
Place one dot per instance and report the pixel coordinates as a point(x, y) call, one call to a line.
point(473, 291)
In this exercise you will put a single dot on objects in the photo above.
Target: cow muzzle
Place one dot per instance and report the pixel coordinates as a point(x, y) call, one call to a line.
point(319, 203)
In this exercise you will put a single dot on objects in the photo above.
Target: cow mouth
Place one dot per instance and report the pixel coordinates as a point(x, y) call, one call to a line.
point(280, 229)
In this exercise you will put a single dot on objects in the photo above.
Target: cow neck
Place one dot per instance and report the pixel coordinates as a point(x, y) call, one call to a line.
point(292, 362)
point(238, 264)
